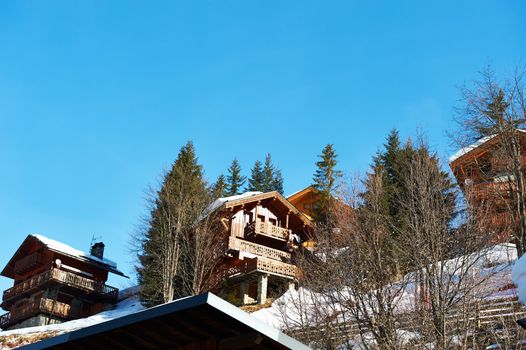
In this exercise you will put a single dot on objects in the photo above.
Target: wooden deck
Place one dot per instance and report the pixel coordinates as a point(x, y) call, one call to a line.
point(258, 249)
point(33, 308)
point(267, 229)
point(64, 278)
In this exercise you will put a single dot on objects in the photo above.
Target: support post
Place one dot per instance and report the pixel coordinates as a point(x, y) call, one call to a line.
point(262, 289)
point(292, 286)
point(244, 293)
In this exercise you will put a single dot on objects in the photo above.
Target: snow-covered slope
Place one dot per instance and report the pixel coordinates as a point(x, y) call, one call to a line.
point(302, 307)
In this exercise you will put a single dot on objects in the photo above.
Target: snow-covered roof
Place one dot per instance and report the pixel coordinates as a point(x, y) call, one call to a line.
point(220, 201)
point(473, 146)
point(470, 148)
point(208, 308)
point(65, 249)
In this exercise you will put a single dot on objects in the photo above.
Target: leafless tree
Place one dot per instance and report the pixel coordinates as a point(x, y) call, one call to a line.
point(496, 109)
point(448, 260)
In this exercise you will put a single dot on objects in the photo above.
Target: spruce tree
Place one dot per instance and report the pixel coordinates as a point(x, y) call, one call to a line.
point(174, 209)
point(256, 181)
point(272, 177)
point(235, 180)
point(218, 189)
point(325, 181)
point(277, 182)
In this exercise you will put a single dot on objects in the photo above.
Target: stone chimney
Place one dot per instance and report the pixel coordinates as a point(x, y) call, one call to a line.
point(97, 249)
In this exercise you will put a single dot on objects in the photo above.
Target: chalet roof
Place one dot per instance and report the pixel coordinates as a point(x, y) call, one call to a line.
point(252, 197)
point(64, 249)
point(200, 320)
point(300, 193)
point(464, 151)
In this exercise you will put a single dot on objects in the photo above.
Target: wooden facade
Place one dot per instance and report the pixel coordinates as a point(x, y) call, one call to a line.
point(483, 174)
point(53, 283)
point(262, 233)
point(305, 200)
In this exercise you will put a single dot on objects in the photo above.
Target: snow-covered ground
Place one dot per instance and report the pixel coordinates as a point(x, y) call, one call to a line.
point(129, 303)
point(303, 307)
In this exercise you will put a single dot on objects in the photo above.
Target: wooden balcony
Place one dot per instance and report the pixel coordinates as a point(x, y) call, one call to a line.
point(272, 267)
point(491, 190)
point(33, 308)
point(69, 280)
point(268, 230)
point(258, 249)
point(28, 263)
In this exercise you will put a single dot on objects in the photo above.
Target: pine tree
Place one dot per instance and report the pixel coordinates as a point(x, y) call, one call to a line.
point(174, 209)
point(392, 164)
point(272, 177)
point(325, 181)
point(218, 189)
point(235, 180)
point(277, 182)
point(256, 181)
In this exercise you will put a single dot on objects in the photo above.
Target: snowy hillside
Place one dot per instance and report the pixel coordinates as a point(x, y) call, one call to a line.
point(300, 307)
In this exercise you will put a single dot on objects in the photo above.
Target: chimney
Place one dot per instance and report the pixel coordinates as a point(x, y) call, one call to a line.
point(97, 249)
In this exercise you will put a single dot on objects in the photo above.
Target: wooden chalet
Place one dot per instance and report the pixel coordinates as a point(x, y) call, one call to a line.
point(263, 231)
point(54, 282)
point(482, 168)
point(305, 200)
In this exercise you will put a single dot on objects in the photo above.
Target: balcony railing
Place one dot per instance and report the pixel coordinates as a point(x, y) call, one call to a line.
point(492, 190)
point(267, 229)
point(262, 265)
point(65, 278)
point(28, 262)
point(258, 249)
point(35, 307)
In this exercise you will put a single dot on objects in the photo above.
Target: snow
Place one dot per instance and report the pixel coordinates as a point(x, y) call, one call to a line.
point(66, 249)
point(518, 275)
point(220, 201)
point(302, 307)
point(128, 304)
point(471, 147)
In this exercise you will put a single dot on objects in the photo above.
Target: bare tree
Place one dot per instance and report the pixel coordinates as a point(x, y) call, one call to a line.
point(496, 110)
point(447, 259)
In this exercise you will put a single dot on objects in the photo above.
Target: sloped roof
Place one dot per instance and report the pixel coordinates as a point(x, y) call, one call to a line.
point(64, 249)
point(251, 197)
point(465, 150)
point(199, 320)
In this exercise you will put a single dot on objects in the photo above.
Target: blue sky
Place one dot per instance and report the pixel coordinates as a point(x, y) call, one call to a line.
point(97, 97)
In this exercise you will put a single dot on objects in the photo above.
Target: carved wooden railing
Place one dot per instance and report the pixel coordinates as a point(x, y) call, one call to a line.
point(275, 267)
point(267, 229)
point(41, 305)
point(64, 277)
point(28, 262)
point(257, 249)
point(264, 265)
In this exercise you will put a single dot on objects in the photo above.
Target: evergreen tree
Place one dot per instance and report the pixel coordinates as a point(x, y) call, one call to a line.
point(174, 209)
point(256, 181)
point(392, 164)
point(277, 182)
point(325, 181)
point(272, 177)
point(218, 189)
point(235, 180)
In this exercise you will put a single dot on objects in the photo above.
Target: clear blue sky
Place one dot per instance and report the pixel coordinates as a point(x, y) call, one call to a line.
point(96, 97)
